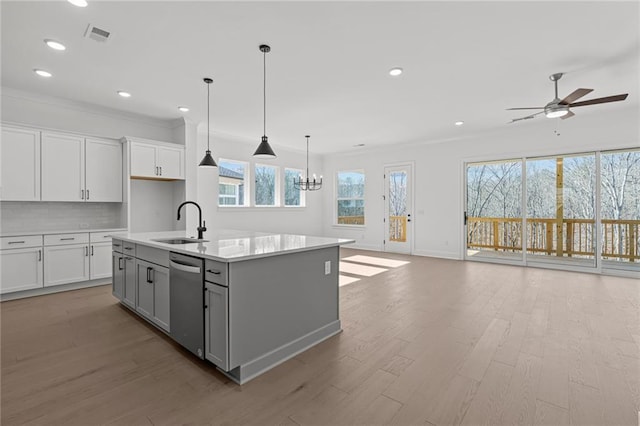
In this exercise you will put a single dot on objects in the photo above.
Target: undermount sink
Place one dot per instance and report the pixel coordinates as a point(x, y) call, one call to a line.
point(179, 240)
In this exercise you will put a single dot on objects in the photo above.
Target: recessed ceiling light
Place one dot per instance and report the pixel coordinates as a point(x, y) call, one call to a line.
point(79, 3)
point(183, 109)
point(459, 123)
point(359, 144)
point(394, 72)
point(55, 45)
point(124, 94)
point(42, 73)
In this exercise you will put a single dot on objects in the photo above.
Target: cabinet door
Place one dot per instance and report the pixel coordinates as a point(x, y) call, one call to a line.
point(62, 167)
point(66, 264)
point(103, 161)
point(21, 269)
point(19, 165)
point(143, 160)
point(171, 162)
point(216, 325)
point(117, 264)
point(144, 299)
point(100, 260)
point(161, 297)
point(129, 296)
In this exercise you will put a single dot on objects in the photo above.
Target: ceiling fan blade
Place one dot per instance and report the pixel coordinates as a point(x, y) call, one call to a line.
point(525, 118)
point(512, 109)
point(577, 94)
point(567, 115)
point(600, 100)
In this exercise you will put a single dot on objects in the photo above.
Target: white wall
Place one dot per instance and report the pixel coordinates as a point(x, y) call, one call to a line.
point(307, 220)
point(438, 204)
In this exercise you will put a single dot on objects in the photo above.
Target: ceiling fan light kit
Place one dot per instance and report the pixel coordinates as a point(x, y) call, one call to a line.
point(558, 108)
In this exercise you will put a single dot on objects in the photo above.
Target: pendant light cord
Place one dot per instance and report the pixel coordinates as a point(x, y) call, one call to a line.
point(307, 158)
point(264, 91)
point(208, 115)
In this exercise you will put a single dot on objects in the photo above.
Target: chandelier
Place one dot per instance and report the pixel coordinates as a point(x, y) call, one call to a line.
point(307, 184)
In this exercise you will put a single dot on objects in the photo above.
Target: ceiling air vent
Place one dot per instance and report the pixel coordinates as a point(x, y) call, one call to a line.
point(97, 34)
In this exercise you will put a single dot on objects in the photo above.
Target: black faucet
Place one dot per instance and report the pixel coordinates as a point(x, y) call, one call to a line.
point(201, 227)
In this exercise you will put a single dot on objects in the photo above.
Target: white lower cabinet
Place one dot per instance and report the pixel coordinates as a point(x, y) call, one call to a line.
point(216, 325)
point(153, 293)
point(66, 264)
point(21, 269)
point(100, 260)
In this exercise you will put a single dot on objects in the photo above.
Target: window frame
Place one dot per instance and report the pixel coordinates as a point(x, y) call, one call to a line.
point(246, 180)
point(303, 198)
point(337, 199)
point(276, 189)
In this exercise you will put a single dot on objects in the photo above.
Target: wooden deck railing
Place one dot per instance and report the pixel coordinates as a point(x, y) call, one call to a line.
point(620, 238)
point(398, 228)
point(350, 220)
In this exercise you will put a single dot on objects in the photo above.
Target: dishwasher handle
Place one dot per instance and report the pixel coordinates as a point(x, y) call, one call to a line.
point(184, 268)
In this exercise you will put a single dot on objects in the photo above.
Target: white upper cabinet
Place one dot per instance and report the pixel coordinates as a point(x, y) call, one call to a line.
point(103, 177)
point(19, 164)
point(62, 167)
point(79, 169)
point(156, 161)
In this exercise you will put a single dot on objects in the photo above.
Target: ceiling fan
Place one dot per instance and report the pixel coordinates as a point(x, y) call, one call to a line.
point(559, 108)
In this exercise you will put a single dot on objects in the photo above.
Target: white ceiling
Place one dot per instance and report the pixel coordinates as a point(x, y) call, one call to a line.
point(327, 73)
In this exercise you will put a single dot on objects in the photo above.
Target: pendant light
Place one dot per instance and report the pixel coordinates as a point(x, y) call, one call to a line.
point(307, 184)
point(264, 150)
point(208, 160)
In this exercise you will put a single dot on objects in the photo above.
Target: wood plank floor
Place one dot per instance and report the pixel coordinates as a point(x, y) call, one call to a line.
point(429, 342)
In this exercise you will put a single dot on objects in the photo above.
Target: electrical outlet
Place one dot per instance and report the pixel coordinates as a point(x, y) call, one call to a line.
point(327, 267)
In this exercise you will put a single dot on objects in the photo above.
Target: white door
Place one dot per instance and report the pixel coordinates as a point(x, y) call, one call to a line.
point(66, 264)
point(19, 165)
point(171, 162)
point(398, 205)
point(100, 260)
point(103, 170)
point(21, 269)
point(62, 167)
point(143, 160)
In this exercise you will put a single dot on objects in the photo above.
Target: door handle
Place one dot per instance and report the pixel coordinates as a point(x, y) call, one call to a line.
point(465, 218)
point(184, 268)
point(408, 218)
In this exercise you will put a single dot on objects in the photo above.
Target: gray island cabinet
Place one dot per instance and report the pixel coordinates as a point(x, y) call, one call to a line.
point(265, 297)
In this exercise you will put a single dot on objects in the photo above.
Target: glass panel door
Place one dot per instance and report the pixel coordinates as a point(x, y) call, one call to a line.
point(493, 215)
point(620, 208)
point(398, 208)
point(561, 193)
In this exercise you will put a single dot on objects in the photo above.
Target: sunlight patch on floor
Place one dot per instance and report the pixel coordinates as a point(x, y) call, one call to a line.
point(345, 280)
point(355, 269)
point(378, 261)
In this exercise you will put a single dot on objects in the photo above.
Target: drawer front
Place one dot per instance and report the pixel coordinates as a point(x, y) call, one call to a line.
point(116, 245)
point(100, 237)
point(21, 242)
point(215, 272)
point(62, 239)
point(129, 248)
point(153, 255)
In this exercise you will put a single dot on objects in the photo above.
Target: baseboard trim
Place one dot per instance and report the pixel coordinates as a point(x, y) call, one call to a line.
point(242, 374)
point(53, 289)
point(438, 254)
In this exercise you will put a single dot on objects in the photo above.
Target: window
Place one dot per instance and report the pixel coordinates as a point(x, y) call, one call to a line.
point(231, 178)
point(266, 184)
point(292, 197)
point(350, 198)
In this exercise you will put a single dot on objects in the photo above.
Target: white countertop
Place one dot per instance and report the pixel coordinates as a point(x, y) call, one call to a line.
point(228, 245)
point(59, 231)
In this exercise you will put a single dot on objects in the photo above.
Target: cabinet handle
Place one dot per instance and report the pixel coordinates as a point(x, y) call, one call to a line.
point(149, 277)
point(91, 250)
point(87, 194)
point(67, 239)
point(128, 258)
point(160, 170)
point(156, 170)
point(116, 245)
point(128, 248)
point(82, 194)
point(120, 267)
point(16, 242)
point(86, 251)
point(39, 255)
point(214, 271)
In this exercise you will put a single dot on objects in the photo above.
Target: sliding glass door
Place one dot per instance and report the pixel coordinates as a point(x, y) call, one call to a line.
point(561, 209)
point(494, 213)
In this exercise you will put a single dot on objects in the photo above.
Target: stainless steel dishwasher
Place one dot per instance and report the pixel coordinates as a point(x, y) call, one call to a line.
point(186, 290)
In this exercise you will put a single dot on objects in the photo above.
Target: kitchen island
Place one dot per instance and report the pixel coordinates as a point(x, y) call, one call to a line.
point(257, 299)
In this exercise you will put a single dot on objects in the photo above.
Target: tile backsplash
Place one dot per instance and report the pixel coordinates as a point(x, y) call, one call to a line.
point(17, 216)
